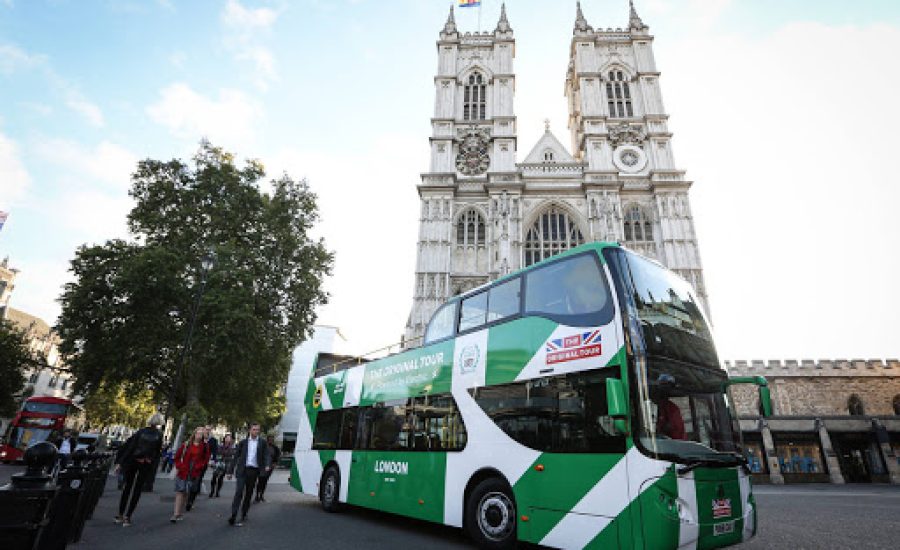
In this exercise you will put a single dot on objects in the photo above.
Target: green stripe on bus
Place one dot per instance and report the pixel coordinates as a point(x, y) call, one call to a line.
point(550, 486)
point(716, 484)
point(512, 345)
point(295, 476)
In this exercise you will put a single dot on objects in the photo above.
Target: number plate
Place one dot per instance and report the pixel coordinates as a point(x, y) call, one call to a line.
point(723, 528)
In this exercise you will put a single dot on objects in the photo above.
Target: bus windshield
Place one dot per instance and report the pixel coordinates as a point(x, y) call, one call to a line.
point(46, 408)
point(685, 412)
point(670, 315)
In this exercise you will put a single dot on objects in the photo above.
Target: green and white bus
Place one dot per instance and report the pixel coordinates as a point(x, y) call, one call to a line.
point(578, 403)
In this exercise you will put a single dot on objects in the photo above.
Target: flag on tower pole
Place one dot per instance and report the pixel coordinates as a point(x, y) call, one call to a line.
point(3, 216)
point(469, 3)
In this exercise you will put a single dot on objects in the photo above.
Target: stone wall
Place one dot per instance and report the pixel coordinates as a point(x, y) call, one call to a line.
point(819, 388)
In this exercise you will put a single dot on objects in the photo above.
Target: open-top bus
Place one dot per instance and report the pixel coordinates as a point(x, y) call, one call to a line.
point(41, 418)
point(578, 403)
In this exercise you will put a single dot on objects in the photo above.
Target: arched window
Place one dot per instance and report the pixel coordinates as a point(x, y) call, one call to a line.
point(474, 93)
point(897, 405)
point(855, 406)
point(552, 233)
point(618, 95)
point(548, 155)
point(637, 225)
point(470, 229)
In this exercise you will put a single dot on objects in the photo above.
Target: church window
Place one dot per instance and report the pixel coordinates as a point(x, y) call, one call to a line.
point(552, 233)
point(618, 95)
point(548, 155)
point(470, 229)
point(637, 225)
point(897, 405)
point(474, 97)
point(855, 406)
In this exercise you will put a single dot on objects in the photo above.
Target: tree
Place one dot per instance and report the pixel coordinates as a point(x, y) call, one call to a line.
point(126, 316)
point(109, 405)
point(15, 357)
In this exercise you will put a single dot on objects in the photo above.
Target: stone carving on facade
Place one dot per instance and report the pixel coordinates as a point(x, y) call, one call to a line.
point(503, 23)
point(626, 134)
point(581, 23)
point(473, 158)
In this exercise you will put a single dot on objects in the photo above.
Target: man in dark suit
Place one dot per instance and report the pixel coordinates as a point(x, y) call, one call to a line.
point(251, 458)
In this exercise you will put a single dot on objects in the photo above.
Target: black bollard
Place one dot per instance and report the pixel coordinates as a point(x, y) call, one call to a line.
point(64, 509)
point(25, 501)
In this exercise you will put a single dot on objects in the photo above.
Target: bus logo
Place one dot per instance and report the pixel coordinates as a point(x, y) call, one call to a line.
point(317, 397)
point(721, 508)
point(468, 359)
point(391, 467)
point(576, 346)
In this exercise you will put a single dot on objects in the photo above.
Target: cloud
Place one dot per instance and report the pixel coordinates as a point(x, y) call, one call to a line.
point(85, 108)
point(106, 163)
point(245, 30)
point(14, 178)
point(13, 58)
point(230, 119)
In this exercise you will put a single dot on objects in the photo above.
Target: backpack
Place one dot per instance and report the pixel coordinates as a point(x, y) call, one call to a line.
point(147, 443)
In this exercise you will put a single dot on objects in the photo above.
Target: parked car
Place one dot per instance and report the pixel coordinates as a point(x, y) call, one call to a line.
point(91, 442)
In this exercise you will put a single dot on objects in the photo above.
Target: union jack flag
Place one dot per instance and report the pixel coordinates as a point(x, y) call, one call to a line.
point(574, 341)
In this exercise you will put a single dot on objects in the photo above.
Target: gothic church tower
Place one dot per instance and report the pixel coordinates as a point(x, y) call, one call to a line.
point(483, 214)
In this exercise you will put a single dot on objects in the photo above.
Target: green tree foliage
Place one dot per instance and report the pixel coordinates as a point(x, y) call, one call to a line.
point(109, 405)
point(125, 317)
point(14, 359)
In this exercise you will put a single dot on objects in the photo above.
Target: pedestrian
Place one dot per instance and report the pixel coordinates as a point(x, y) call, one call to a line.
point(224, 464)
point(275, 454)
point(252, 456)
point(65, 444)
point(190, 459)
point(212, 446)
point(135, 460)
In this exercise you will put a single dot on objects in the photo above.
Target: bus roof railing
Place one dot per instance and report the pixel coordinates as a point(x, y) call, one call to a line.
point(344, 362)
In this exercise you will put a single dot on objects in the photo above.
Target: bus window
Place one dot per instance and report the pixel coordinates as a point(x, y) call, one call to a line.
point(572, 291)
point(441, 324)
point(503, 300)
point(328, 427)
point(560, 414)
point(473, 311)
point(438, 424)
point(386, 427)
point(347, 438)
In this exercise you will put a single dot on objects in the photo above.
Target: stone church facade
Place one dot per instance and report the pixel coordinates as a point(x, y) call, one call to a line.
point(484, 213)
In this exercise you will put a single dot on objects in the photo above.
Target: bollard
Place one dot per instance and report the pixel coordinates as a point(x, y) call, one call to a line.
point(63, 510)
point(25, 501)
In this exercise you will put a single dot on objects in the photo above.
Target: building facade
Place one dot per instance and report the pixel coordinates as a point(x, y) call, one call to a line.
point(833, 421)
point(484, 213)
point(7, 284)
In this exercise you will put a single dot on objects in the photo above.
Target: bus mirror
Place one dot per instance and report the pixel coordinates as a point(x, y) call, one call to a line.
point(615, 399)
point(765, 402)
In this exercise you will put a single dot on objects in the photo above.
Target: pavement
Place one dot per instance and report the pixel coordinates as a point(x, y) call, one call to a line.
point(793, 517)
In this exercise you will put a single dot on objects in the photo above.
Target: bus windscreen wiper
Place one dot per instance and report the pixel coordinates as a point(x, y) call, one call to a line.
point(717, 461)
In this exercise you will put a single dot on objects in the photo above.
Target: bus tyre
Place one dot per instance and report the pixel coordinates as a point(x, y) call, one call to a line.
point(490, 516)
point(329, 490)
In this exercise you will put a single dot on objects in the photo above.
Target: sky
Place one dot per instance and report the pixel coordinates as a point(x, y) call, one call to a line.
point(784, 115)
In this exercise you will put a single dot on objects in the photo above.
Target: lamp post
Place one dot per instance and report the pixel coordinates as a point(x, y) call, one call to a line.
point(206, 264)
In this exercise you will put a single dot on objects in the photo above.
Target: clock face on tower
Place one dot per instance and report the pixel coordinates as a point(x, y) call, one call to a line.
point(473, 158)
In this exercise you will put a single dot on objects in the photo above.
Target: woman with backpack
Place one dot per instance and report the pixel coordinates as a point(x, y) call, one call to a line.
point(190, 460)
point(224, 462)
point(135, 460)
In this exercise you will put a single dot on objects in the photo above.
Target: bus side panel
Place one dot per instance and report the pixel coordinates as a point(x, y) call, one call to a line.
point(406, 483)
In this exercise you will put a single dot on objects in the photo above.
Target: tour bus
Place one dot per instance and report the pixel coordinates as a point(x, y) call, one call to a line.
point(577, 403)
point(42, 418)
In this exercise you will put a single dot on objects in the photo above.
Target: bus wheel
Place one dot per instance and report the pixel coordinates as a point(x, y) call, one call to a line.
point(491, 515)
point(330, 489)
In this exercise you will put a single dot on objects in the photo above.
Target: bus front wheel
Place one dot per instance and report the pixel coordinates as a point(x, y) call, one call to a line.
point(329, 490)
point(491, 515)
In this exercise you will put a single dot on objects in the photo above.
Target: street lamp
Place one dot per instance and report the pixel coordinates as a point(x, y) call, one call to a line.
point(207, 262)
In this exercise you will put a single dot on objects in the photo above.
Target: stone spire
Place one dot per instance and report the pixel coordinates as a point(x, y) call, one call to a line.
point(450, 25)
point(634, 20)
point(503, 23)
point(581, 23)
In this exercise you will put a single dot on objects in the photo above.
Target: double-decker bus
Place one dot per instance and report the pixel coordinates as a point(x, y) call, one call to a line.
point(578, 403)
point(40, 419)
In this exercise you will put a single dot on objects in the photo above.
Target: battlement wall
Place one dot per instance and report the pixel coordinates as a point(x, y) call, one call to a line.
point(812, 367)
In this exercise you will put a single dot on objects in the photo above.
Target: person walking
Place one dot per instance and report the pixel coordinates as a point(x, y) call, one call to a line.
point(224, 463)
point(66, 445)
point(275, 454)
point(135, 460)
point(190, 459)
point(251, 457)
point(212, 446)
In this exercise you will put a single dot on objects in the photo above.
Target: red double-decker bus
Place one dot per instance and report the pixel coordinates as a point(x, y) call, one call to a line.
point(40, 419)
